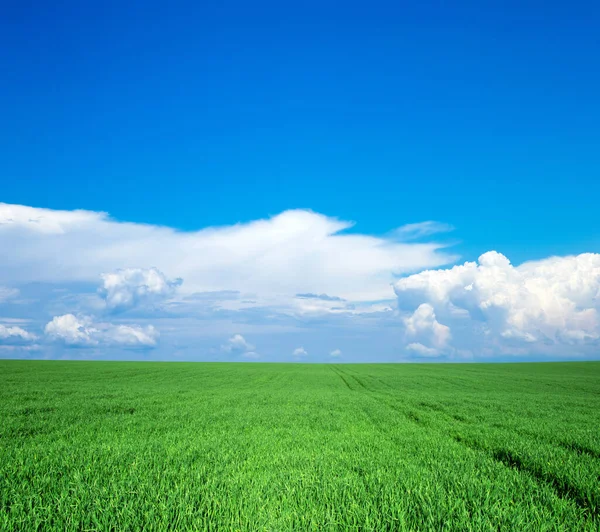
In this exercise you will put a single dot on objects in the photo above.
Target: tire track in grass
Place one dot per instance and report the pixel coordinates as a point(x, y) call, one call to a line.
point(562, 488)
point(579, 449)
point(341, 377)
point(360, 383)
point(409, 415)
point(349, 375)
point(412, 415)
point(372, 387)
point(374, 383)
point(569, 445)
point(573, 446)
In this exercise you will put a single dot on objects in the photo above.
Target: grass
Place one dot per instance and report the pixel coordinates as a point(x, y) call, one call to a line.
point(177, 446)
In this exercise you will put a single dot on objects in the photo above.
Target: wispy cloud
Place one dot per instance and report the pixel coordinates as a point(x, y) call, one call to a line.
point(322, 297)
point(7, 293)
point(421, 229)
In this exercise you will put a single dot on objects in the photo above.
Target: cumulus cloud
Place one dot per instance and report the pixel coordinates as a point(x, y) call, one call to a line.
point(423, 329)
point(83, 332)
point(555, 301)
point(15, 335)
point(335, 353)
point(131, 287)
point(299, 352)
point(132, 335)
point(422, 350)
point(72, 330)
point(295, 252)
point(237, 344)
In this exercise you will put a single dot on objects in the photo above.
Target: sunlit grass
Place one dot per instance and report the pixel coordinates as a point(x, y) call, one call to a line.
point(157, 446)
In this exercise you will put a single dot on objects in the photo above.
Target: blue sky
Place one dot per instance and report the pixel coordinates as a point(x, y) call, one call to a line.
point(479, 116)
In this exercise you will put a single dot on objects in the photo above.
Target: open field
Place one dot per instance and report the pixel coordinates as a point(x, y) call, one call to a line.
point(126, 446)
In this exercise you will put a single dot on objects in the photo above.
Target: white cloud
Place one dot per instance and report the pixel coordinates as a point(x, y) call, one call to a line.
point(300, 351)
point(297, 272)
point(46, 221)
point(20, 348)
point(554, 301)
point(128, 288)
point(83, 332)
point(10, 335)
point(72, 330)
point(422, 328)
point(7, 293)
point(322, 297)
point(336, 353)
point(422, 350)
point(422, 229)
point(131, 335)
point(238, 344)
point(14, 321)
point(295, 252)
point(315, 307)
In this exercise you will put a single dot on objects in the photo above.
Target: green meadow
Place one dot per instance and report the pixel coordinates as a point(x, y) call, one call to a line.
point(207, 446)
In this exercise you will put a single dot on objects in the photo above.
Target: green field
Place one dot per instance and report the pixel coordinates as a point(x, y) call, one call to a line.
point(160, 446)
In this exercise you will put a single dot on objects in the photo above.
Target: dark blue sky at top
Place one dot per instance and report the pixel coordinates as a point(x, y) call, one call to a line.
point(484, 115)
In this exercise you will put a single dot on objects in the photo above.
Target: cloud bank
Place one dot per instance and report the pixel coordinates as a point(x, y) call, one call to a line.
point(295, 252)
point(78, 279)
